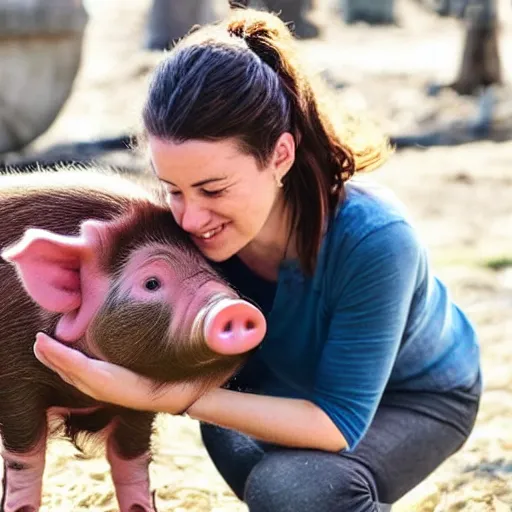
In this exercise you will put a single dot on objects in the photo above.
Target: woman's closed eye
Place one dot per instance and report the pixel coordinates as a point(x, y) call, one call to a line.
point(213, 193)
point(205, 192)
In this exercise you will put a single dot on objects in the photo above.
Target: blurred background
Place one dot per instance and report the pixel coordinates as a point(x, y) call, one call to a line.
point(434, 74)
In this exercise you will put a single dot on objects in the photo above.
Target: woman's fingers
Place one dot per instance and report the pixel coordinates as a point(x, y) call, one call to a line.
point(103, 381)
point(88, 375)
point(107, 382)
point(57, 356)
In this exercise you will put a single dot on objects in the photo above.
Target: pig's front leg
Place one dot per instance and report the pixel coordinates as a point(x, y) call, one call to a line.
point(24, 439)
point(129, 456)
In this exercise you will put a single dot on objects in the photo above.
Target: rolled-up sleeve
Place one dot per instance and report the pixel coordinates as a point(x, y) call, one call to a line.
point(370, 303)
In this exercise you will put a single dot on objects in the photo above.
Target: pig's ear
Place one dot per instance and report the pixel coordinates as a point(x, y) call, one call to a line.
point(49, 268)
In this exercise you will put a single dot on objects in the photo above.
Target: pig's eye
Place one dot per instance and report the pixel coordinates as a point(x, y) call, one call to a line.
point(152, 284)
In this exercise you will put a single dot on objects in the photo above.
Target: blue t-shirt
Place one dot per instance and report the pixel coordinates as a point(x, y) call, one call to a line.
point(372, 318)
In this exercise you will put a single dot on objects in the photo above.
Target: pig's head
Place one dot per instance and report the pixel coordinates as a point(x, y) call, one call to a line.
point(136, 292)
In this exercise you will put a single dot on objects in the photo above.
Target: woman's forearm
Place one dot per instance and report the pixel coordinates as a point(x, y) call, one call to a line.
point(284, 421)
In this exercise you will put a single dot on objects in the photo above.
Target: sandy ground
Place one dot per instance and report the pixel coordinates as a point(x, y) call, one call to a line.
point(460, 198)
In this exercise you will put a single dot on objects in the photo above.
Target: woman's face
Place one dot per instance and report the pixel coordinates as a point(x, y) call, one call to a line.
point(217, 193)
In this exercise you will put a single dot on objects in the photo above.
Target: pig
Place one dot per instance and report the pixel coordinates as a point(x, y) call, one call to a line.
point(95, 258)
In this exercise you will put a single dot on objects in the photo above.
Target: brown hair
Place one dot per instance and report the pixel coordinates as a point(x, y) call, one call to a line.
point(241, 78)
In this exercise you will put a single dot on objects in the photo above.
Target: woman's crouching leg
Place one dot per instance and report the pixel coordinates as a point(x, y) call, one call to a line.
point(307, 480)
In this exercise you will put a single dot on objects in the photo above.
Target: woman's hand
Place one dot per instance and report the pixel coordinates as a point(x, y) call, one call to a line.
point(107, 382)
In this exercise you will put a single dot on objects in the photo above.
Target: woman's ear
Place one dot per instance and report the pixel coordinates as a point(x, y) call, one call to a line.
point(284, 155)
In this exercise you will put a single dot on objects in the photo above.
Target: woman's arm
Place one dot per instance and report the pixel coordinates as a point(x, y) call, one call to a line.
point(289, 422)
point(370, 306)
point(285, 421)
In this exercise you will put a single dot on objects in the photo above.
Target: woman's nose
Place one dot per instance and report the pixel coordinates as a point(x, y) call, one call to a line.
point(194, 218)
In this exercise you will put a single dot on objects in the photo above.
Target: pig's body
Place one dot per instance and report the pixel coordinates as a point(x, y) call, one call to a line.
point(60, 202)
point(28, 390)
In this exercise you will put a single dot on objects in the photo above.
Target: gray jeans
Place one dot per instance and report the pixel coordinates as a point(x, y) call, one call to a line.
point(410, 436)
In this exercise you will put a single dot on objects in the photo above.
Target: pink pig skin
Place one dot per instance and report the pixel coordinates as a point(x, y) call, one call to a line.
point(23, 486)
point(131, 480)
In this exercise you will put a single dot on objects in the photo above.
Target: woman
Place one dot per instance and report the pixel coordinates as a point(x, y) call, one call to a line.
point(368, 378)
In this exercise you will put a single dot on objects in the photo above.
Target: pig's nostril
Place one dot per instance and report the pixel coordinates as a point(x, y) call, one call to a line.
point(228, 326)
point(233, 327)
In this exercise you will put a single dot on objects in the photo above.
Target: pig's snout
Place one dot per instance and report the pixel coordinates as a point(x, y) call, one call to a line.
point(234, 327)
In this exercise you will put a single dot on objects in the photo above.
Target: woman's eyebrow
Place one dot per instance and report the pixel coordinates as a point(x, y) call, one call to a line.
point(197, 184)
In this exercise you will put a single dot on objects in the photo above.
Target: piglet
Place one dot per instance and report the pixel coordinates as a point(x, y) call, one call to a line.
point(95, 258)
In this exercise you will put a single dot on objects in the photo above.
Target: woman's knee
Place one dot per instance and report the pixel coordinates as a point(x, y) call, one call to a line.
point(226, 443)
point(299, 481)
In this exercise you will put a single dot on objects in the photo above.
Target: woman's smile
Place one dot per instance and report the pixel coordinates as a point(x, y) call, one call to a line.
point(210, 236)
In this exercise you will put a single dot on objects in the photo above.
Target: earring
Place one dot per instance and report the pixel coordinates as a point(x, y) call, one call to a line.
point(279, 183)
